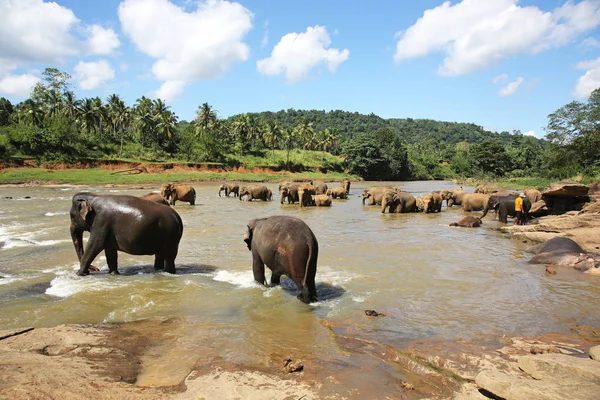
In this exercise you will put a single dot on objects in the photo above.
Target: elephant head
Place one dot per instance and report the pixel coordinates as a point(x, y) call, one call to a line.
point(249, 233)
point(391, 200)
point(243, 192)
point(82, 218)
point(365, 195)
point(222, 188)
point(165, 190)
point(420, 202)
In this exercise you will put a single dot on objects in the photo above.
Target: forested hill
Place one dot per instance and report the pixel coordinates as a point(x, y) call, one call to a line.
point(411, 131)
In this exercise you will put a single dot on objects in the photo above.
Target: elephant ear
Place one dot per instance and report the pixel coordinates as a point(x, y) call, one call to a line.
point(86, 211)
point(248, 236)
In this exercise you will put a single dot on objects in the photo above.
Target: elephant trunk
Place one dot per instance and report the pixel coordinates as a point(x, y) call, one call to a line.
point(77, 237)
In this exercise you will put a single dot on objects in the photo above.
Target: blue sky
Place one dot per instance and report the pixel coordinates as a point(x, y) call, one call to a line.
point(502, 64)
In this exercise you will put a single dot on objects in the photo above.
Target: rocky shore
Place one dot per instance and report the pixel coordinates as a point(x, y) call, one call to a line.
point(104, 362)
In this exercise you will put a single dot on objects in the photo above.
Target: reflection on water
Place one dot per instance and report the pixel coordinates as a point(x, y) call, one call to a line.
point(429, 279)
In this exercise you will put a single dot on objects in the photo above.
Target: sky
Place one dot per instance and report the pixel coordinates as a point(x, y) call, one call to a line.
point(501, 64)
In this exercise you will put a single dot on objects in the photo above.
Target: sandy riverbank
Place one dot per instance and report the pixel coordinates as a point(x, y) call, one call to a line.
point(107, 362)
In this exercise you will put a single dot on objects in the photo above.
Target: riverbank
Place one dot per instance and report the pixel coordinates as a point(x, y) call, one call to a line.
point(108, 361)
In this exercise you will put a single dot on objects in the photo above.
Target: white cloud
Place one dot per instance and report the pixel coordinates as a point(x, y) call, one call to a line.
point(530, 133)
point(188, 46)
point(297, 53)
point(102, 41)
point(510, 88)
point(477, 33)
point(265, 38)
point(170, 90)
point(91, 75)
point(18, 85)
point(590, 81)
point(589, 43)
point(31, 30)
point(500, 78)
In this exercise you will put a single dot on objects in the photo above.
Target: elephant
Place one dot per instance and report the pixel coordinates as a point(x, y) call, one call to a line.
point(124, 223)
point(346, 185)
point(289, 192)
point(474, 201)
point(398, 202)
point(288, 247)
point(504, 206)
point(176, 191)
point(468, 222)
point(229, 188)
point(321, 200)
point(419, 204)
point(488, 189)
point(375, 195)
point(305, 193)
point(256, 192)
point(155, 197)
point(453, 197)
point(565, 252)
point(533, 195)
point(320, 187)
point(432, 202)
point(337, 193)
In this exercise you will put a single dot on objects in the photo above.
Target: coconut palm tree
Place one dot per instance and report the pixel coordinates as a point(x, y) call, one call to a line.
point(71, 106)
point(118, 115)
point(272, 135)
point(31, 113)
point(143, 121)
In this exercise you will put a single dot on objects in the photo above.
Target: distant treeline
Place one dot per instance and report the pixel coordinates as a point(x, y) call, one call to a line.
point(53, 125)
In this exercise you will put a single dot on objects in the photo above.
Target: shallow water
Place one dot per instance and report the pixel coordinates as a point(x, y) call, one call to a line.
point(429, 279)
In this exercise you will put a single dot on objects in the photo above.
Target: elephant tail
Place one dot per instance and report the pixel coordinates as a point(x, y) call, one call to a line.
point(308, 292)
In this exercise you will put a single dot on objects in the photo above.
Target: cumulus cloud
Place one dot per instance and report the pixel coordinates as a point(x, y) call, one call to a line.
point(590, 81)
point(18, 85)
point(510, 87)
point(102, 40)
point(31, 30)
point(188, 46)
point(474, 34)
point(297, 53)
point(530, 133)
point(91, 75)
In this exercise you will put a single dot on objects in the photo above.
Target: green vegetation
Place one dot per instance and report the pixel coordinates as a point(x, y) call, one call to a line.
point(98, 176)
point(53, 126)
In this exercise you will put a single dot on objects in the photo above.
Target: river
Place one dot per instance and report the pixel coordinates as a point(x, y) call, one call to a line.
point(430, 280)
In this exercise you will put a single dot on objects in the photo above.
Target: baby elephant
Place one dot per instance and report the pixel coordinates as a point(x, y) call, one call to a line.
point(288, 247)
point(321, 200)
point(468, 222)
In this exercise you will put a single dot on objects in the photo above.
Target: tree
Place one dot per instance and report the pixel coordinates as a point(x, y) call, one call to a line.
point(489, 157)
point(6, 109)
point(273, 135)
point(289, 136)
point(364, 158)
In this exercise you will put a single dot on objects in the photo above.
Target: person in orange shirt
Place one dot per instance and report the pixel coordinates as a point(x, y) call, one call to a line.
point(521, 209)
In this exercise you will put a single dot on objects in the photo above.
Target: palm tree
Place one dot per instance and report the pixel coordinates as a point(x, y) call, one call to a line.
point(289, 136)
point(272, 134)
point(71, 106)
point(31, 113)
point(305, 132)
point(88, 119)
point(241, 131)
point(166, 124)
point(206, 118)
point(99, 112)
point(143, 121)
point(118, 114)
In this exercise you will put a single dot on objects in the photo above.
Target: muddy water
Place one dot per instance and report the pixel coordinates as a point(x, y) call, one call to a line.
point(429, 279)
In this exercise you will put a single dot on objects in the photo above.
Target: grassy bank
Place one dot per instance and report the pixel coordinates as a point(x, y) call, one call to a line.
point(527, 182)
point(96, 176)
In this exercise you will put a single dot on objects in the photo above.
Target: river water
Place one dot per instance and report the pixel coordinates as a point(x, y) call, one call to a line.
point(430, 280)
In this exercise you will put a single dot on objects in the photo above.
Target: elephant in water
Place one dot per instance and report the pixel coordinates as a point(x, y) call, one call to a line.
point(288, 247)
point(565, 252)
point(289, 191)
point(320, 187)
point(155, 197)
point(176, 191)
point(321, 200)
point(398, 202)
point(468, 222)
point(124, 223)
point(305, 193)
point(256, 192)
point(474, 201)
point(375, 195)
point(229, 188)
point(432, 202)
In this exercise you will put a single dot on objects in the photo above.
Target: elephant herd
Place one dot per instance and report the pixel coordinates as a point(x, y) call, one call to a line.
point(147, 225)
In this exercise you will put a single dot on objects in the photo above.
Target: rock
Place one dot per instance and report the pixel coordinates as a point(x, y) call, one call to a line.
point(591, 208)
point(13, 332)
point(595, 353)
point(292, 366)
point(373, 313)
point(555, 367)
point(515, 386)
point(594, 192)
point(407, 385)
point(571, 189)
point(539, 208)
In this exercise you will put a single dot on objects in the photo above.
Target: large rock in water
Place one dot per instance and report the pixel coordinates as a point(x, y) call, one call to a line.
point(570, 189)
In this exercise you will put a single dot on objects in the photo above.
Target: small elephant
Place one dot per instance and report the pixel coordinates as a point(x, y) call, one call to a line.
point(256, 192)
point(432, 202)
point(337, 193)
point(289, 192)
point(321, 200)
point(398, 202)
point(320, 187)
point(288, 247)
point(124, 223)
point(176, 191)
point(229, 188)
point(305, 193)
point(468, 222)
point(346, 185)
point(474, 201)
point(453, 197)
point(155, 197)
point(565, 252)
point(488, 189)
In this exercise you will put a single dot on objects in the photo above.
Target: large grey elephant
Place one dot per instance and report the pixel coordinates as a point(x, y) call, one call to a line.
point(229, 188)
point(337, 193)
point(256, 192)
point(320, 187)
point(124, 223)
point(375, 194)
point(288, 247)
point(289, 192)
point(565, 252)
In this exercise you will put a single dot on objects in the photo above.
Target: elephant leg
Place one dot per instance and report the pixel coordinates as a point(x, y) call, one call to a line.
point(169, 263)
point(275, 279)
point(94, 246)
point(159, 262)
point(258, 269)
point(111, 259)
